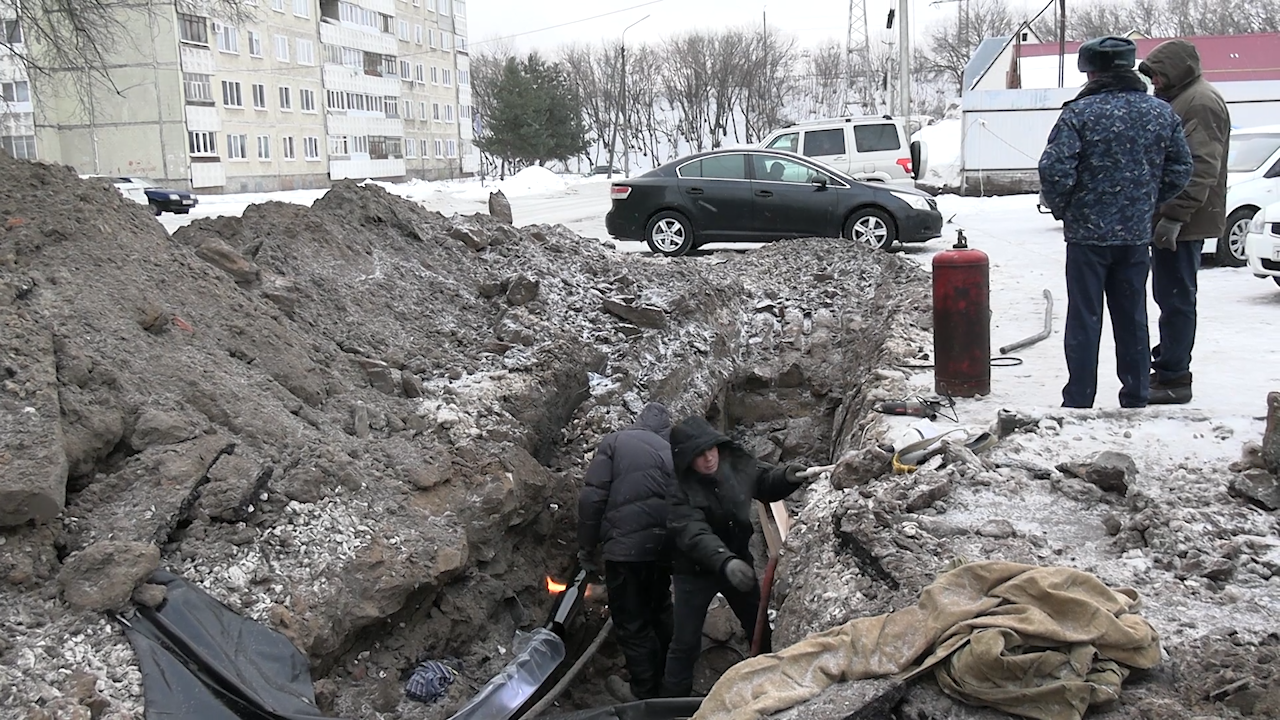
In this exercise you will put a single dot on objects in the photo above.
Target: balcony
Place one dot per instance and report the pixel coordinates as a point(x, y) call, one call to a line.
point(370, 41)
point(338, 77)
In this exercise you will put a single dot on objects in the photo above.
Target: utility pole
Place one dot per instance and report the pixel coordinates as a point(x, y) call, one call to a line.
point(904, 59)
point(1062, 41)
point(626, 120)
point(857, 50)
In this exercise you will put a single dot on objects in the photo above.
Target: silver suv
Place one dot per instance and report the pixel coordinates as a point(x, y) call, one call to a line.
point(871, 149)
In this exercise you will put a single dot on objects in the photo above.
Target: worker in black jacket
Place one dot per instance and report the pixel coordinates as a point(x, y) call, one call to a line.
point(710, 522)
point(623, 508)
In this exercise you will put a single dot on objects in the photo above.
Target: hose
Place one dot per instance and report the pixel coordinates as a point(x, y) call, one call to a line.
point(1043, 334)
point(569, 677)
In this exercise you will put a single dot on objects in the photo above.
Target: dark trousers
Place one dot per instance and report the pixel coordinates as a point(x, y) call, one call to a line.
point(640, 605)
point(1173, 284)
point(694, 594)
point(1118, 272)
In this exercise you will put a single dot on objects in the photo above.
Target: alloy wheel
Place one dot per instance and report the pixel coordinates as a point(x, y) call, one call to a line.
point(870, 230)
point(668, 235)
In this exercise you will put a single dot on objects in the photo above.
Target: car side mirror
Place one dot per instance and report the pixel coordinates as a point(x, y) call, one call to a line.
point(820, 183)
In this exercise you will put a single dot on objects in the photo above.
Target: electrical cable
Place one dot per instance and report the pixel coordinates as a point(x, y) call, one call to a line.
point(566, 24)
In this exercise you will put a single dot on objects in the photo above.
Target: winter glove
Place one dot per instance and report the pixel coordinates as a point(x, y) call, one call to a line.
point(793, 474)
point(739, 574)
point(587, 562)
point(1166, 235)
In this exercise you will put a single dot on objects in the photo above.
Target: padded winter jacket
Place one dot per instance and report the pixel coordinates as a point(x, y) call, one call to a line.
point(710, 517)
point(623, 502)
point(1201, 207)
point(1114, 156)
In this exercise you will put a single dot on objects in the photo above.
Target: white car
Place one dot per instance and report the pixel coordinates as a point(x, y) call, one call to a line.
point(1262, 244)
point(1253, 182)
point(128, 187)
point(870, 149)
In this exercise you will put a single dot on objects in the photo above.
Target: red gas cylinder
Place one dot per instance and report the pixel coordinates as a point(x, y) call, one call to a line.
point(961, 321)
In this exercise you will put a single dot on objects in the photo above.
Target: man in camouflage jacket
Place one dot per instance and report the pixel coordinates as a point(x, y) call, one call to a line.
point(1114, 156)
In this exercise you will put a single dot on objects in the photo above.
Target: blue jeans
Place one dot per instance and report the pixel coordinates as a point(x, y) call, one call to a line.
point(1118, 273)
point(1174, 287)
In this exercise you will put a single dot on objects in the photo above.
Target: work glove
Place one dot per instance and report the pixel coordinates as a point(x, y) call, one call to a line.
point(740, 574)
point(1166, 235)
point(587, 562)
point(793, 474)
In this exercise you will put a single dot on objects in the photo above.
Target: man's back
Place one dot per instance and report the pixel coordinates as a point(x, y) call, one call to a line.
point(1114, 156)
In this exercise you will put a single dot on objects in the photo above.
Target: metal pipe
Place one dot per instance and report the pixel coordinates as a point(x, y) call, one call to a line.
point(1042, 335)
point(569, 677)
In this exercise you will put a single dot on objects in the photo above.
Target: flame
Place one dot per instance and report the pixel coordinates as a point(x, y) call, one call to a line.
point(555, 587)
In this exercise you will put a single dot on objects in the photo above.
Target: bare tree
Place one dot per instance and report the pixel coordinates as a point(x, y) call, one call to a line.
point(822, 79)
point(592, 70)
point(687, 84)
point(951, 43)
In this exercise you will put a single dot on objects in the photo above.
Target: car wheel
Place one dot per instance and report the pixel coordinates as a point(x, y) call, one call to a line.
point(155, 209)
point(670, 234)
point(1230, 252)
point(872, 227)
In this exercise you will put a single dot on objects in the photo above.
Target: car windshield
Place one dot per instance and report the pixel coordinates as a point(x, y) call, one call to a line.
point(1248, 152)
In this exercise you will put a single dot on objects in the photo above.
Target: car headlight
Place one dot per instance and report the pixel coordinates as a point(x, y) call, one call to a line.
point(915, 201)
point(172, 196)
point(1257, 224)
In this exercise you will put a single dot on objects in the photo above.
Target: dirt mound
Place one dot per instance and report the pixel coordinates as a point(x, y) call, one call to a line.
point(361, 422)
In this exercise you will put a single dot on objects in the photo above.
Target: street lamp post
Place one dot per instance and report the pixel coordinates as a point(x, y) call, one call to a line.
point(626, 121)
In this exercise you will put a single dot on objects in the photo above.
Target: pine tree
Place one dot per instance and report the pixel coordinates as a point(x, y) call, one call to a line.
point(535, 114)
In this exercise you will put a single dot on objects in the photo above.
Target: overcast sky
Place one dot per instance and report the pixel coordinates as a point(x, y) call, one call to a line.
point(812, 21)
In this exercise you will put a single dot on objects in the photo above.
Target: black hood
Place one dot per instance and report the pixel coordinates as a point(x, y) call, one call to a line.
point(656, 419)
point(692, 437)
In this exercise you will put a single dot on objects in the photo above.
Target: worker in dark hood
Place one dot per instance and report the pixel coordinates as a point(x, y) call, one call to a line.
point(1182, 225)
point(710, 521)
point(622, 510)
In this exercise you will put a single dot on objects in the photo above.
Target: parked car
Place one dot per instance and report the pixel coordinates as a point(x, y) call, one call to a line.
point(870, 149)
point(605, 170)
point(1253, 182)
point(162, 199)
point(763, 195)
point(1262, 243)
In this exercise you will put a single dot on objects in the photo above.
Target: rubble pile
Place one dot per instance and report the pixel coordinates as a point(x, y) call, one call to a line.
point(361, 423)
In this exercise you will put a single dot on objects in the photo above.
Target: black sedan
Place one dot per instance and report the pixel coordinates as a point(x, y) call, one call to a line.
point(161, 199)
point(748, 195)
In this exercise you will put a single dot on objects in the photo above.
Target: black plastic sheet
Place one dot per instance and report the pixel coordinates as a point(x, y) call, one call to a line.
point(202, 661)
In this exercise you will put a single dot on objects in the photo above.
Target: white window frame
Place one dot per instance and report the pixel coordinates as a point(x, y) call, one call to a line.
point(305, 51)
point(255, 44)
point(277, 5)
point(264, 147)
point(448, 112)
point(402, 30)
point(232, 96)
point(237, 146)
point(435, 111)
point(228, 38)
point(435, 75)
point(339, 146)
point(259, 92)
point(422, 110)
point(406, 71)
point(288, 149)
point(417, 34)
point(406, 112)
point(420, 74)
point(452, 150)
point(410, 147)
point(444, 8)
point(19, 147)
point(17, 91)
point(282, 47)
point(446, 41)
point(311, 148)
point(285, 95)
point(439, 148)
point(460, 8)
point(304, 6)
point(12, 33)
point(306, 96)
point(202, 143)
point(433, 40)
point(446, 77)
point(431, 5)
point(193, 83)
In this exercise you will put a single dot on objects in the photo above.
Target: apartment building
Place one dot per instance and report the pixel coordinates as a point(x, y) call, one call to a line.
point(17, 126)
point(295, 94)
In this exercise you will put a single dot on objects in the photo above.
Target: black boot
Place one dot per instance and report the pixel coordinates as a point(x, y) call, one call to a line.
point(1170, 392)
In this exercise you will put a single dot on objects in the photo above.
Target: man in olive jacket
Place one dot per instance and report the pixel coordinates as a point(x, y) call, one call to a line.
point(709, 518)
point(1183, 224)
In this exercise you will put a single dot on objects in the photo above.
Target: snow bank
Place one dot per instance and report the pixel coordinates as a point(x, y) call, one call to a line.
point(414, 190)
point(530, 181)
point(943, 142)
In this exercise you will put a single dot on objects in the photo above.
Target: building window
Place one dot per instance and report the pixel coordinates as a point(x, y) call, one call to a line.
point(255, 44)
point(435, 111)
point(228, 38)
point(259, 97)
point(419, 74)
point(13, 36)
point(446, 78)
point(402, 30)
point(282, 48)
point(404, 70)
point(306, 52)
point(417, 34)
point(431, 5)
point(286, 98)
point(407, 110)
point(202, 143)
point(286, 148)
point(337, 100)
point(264, 147)
point(446, 40)
point(410, 147)
point(439, 148)
point(464, 78)
point(20, 147)
point(237, 147)
point(355, 101)
point(338, 146)
point(453, 148)
point(302, 8)
point(392, 107)
point(444, 7)
point(360, 144)
point(278, 6)
point(307, 100)
point(448, 112)
point(311, 147)
point(378, 148)
point(435, 75)
point(197, 88)
point(191, 29)
point(461, 43)
point(231, 94)
point(16, 92)
point(422, 111)
point(431, 39)
point(459, 8)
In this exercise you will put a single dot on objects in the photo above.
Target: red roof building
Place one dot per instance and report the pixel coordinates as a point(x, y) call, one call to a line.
point(1224, 58)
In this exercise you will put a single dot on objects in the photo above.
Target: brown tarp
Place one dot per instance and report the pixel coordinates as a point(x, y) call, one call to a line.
point(1040, 642)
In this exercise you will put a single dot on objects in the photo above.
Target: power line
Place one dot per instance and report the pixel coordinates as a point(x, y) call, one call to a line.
point(571, 22)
